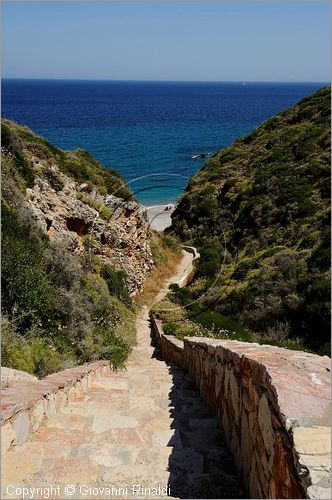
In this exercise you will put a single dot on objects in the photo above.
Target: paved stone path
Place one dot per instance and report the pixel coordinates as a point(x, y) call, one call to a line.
point(146, 426)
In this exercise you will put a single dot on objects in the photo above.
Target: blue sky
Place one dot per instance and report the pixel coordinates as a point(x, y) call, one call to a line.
point(231, 41)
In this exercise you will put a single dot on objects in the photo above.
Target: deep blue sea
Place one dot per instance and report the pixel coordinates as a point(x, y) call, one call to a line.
point(147, 130)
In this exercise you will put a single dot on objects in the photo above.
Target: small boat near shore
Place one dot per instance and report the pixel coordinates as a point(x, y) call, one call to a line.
point(200, 155)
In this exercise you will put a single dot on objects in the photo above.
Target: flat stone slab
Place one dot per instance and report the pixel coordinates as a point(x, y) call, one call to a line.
point(72, 470)
point(69, 437)
point(72, 421)
point(167, 438)
point(103, 423)
point(112, 383)
point(100, 454)
point(312, 440)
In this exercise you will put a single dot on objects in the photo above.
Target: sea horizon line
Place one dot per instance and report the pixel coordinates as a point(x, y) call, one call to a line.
point(106, 80)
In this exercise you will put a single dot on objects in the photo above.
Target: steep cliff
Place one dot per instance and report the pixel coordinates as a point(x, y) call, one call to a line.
point(259, 212)
point(75, 249)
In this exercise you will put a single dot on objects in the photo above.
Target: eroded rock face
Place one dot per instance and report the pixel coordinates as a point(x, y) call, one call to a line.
point(106, 226)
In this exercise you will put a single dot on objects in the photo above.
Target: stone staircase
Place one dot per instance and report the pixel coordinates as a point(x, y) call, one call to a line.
point(145, 432)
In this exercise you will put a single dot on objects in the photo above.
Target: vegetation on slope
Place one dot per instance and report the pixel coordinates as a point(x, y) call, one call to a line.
point(78, 164)
point(166, 253)
point(58, 309)
point(259, 213)
point(61, 309)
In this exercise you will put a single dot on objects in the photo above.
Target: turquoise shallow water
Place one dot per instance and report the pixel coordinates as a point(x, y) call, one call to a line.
point(147, 130)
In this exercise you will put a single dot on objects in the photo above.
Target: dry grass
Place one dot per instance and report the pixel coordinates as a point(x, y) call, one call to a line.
point(166, 255)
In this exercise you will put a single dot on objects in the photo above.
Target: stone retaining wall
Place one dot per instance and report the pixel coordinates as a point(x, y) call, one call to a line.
point(273, 404)
point(27, 404)
point(171, 347)
point(192, 250)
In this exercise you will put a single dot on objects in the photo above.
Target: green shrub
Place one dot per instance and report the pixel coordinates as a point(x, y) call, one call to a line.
point(209, 262)
point(31, 353)
point(183, 329)
point(116, 283)
point(117, 350)
point(104, 211)
point(171, 242)
point(26, 283)
point(78, 164)
point(11, 145)
point(54, 179)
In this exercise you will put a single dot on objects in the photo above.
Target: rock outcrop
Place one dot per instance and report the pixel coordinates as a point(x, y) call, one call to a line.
point(80, 203)
point(108, 227)
point(9, 376)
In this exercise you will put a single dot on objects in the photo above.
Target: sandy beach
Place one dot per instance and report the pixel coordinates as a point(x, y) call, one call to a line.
point(158, 218)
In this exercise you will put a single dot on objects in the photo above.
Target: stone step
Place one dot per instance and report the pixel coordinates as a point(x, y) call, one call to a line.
point(200, 441)
point(112, 383)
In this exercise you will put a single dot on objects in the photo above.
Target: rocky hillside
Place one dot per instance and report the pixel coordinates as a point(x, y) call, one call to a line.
point(75, 250)
point(76, 201)
point(259, 212)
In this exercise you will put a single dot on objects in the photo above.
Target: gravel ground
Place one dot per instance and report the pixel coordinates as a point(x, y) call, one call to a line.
point(158, 218)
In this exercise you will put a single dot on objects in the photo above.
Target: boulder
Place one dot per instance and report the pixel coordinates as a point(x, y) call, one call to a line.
point(9, 376)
